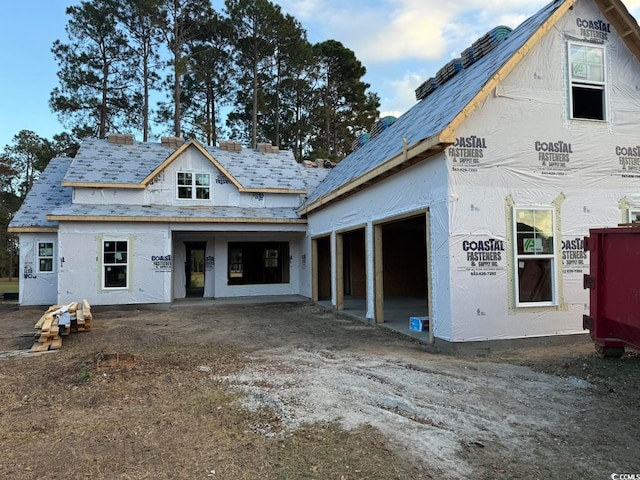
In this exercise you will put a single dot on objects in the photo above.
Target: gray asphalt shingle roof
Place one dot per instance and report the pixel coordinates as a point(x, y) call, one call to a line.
point(102, 162)
point(46, 193)
point(130, 212)
point(433, 114)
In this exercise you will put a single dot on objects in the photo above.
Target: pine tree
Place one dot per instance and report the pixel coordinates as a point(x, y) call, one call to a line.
point(96, 91)
point(255, 22)
point(181, 20)
point(140, 20)
point(343, 106)
point(208, 84)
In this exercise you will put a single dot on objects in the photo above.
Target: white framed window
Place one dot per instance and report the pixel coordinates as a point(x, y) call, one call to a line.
point(45, 257)
point(587, 75)
point(535, 256)
point(115, 264)
point(194, 186)
point(634, 215)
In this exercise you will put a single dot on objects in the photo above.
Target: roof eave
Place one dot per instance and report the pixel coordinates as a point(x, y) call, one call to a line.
point(623, 22)
point(102, 185)
point(169, 219)
point(410, 155)
point(272, 190)
point(32, 229)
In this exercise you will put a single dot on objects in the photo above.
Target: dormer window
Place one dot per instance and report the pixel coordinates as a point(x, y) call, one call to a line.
point(588, 81)
point(194, 186)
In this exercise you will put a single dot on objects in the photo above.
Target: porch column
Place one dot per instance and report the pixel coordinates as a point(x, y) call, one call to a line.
point(369, 256)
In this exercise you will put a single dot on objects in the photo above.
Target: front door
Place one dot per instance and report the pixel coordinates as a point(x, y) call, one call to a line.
point(194, 268)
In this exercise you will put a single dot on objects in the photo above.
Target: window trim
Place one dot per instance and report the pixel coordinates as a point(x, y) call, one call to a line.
point(552, 257)
point(588, 84)
point(193, 185)
point(104, 265)
point(52, 256)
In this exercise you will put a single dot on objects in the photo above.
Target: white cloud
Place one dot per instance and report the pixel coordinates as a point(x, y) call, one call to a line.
point(404, 42)
point(399, 92)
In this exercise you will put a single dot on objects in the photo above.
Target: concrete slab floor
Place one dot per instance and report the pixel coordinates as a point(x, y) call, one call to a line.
point(397, 311)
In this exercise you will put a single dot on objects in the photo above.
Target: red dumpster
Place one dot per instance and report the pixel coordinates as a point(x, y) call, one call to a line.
point(614, 289)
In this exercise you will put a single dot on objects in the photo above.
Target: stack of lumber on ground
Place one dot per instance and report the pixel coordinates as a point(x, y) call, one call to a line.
point(60, 320)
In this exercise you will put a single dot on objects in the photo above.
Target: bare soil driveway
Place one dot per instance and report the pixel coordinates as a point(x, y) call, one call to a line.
point(294, 391)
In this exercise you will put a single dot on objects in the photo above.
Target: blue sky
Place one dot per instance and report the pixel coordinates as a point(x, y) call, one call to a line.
point(400, 42)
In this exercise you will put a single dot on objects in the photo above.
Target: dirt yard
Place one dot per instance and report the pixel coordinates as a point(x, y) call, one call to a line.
point(293, 391)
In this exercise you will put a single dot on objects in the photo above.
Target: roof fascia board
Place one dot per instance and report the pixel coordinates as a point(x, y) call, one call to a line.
point(32, 229)
point(102, 185)
point(271, 190)
point(106, 218)
point(507, 68)
point(623, 22)
point(180, 151)
point(418, 151)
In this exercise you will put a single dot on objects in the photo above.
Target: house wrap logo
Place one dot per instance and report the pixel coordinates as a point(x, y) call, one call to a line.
point(484, 257)
point(629, 158)
point(593, 29)
point(467, 152)
point(574, 258)
point(162, 263)
point(553, 156)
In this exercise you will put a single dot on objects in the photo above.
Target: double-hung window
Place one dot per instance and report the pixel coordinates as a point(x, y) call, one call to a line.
point(115, 264)
point(535, 257)
point(194, 186)
point(587, 75)
point(45, 257)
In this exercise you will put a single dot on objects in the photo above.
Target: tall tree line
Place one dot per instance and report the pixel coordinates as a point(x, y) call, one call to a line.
point(247, 72)
point(20, 165)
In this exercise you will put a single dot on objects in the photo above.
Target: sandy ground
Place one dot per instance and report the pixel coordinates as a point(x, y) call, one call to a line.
point(555, 412)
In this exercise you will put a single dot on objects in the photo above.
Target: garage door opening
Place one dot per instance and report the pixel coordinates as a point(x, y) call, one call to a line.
point(352, 271)
point(402, 270)
point(321, 269)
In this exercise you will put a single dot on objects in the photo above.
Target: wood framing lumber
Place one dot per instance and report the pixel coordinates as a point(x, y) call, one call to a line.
point(60, 320)
point(48, 322)
point(40, 347)
point(39, 323)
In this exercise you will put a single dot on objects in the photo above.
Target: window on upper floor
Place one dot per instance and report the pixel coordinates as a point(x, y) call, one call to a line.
point(587, 75)
point(194, 186)
point(535, 257)
point(45, 257)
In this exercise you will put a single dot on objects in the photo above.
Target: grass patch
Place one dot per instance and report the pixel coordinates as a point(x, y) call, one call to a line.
point(7, 286)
